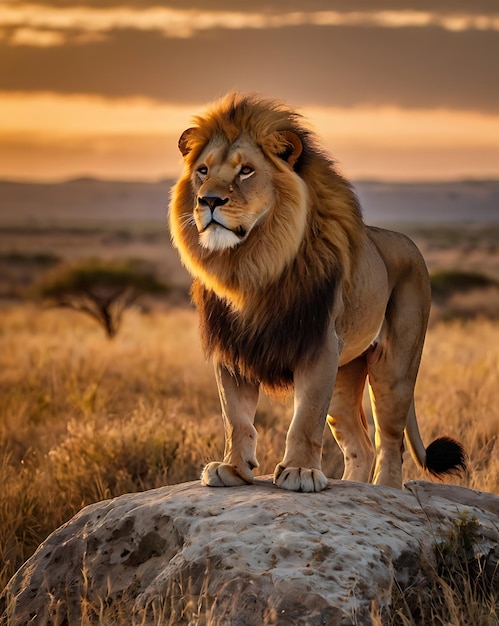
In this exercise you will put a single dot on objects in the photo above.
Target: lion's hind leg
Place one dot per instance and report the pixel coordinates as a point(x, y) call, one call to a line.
point(392, 364)
point(392, 368)
point(347, 421)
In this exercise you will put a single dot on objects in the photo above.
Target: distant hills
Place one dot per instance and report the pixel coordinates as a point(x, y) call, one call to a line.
point(91, 201)
point(475, 201)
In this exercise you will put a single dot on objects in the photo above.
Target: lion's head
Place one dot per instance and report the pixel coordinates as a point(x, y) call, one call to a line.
point(234, 190)
point(254, 194)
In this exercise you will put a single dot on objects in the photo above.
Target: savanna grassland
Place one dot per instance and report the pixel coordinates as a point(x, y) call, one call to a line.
point(83, 418)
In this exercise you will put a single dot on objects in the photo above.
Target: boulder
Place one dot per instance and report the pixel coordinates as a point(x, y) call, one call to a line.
point(252, 555)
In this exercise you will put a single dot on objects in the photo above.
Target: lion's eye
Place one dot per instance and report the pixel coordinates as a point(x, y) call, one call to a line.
point(202, 171)
point(246, 171)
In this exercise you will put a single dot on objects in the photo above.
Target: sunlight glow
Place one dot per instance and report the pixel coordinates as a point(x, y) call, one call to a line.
point(388, 125)
point(62, 115)
point(69, 115)
point(49, 136)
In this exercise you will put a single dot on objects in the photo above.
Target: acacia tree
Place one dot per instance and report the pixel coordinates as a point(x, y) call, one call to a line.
point(102, 289)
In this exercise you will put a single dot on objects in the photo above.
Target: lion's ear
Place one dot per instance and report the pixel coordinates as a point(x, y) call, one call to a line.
point(293, 147)
point(183, 143)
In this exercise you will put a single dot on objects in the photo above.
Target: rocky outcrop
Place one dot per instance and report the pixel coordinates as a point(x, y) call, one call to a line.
point(189, 554)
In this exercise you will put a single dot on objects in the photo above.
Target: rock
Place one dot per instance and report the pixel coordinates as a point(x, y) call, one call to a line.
point(248, 555)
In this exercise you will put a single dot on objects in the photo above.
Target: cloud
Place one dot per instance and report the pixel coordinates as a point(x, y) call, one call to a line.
point(26, 20)
point(476, 7)
point(38, 38)
point(409, 67)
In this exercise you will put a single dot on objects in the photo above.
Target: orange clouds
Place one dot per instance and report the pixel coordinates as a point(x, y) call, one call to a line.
point(42, 25)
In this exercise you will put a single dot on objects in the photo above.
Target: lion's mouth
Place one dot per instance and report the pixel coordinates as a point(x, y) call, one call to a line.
point(239, 231)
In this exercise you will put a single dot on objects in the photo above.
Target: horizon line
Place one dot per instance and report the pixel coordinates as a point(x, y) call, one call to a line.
point(172, 179)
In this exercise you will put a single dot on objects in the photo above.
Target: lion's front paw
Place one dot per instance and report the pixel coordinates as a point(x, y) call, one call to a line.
point(218, 474)
point(299, 479)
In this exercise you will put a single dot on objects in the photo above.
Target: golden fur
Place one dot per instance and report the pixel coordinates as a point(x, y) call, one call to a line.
point(293, 289)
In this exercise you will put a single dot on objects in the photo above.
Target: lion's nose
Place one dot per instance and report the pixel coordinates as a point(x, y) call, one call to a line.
point(212, 201)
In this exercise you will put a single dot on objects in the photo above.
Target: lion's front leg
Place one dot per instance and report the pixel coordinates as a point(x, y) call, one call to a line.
point(300, 469)
point(239, 400)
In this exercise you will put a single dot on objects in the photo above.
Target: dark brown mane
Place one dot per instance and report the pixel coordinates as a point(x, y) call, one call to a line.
point(266, 343)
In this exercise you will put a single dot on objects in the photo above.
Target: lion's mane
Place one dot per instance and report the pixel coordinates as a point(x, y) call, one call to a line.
point(265, 305)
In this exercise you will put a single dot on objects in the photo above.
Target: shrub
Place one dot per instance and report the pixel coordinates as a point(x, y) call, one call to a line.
point(460, 588)
point(445, 283)
point(102, 289)
point(38, 258)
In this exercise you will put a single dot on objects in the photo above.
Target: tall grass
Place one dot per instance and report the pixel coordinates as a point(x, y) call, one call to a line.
point(83, 418)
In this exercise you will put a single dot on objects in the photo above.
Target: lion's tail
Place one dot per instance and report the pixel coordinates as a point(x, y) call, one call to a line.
point(442, 456)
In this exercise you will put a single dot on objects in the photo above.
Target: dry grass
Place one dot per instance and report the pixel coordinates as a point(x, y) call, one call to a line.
point(456, 395)
point(83, 418)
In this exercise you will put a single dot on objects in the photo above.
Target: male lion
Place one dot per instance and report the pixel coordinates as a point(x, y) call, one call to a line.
point(293, 288)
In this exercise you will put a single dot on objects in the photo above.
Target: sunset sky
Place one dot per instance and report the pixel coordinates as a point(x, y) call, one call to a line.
point(395, 90)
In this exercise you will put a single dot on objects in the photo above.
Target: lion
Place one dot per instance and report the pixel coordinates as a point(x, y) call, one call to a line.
point(295, 291)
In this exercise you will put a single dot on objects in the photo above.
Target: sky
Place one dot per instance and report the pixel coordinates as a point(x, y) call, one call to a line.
point(394, 90)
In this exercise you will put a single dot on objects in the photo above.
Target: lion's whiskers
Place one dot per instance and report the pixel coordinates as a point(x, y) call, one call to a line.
point(187, 219)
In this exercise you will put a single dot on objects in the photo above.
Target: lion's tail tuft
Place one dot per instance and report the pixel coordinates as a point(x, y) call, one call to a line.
point(445, 456)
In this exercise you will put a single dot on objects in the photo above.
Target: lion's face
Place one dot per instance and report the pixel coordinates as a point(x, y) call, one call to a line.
point(234, 191)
